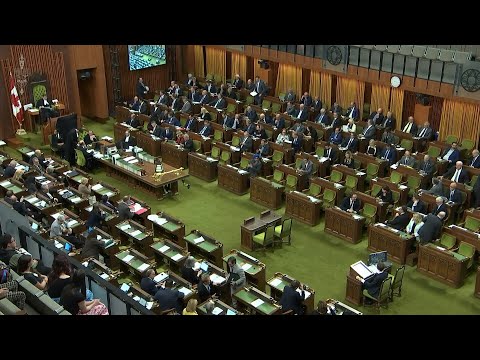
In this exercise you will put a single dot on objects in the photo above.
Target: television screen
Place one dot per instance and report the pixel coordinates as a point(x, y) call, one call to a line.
point(145, 56)
point(375, 258)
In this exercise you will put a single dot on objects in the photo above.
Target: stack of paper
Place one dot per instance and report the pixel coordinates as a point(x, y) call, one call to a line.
point(135, 233)
point(128, 258)
point(246, 266)
point(143, 267)
point(161, 221)
point(185, 291)
point(216, 279)
point(216, 311)
point(97, 187)
point(164, 248)
point(72, 222)
point(177, 257)
point(125, 227)
point(198, 240)
point(275, 282)
point(257, 303)
point(160, 277)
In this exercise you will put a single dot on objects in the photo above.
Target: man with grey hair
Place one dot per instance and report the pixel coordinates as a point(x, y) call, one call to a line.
point(457, 173)
point(475, 159)
point(188, 143)
point(60, 228)
point(238, 83)
point(205, 287)
point(10, 169)
point(209, 306)
point(432, 226)
point(440, 205)
point(236, 277)
point(426, 166)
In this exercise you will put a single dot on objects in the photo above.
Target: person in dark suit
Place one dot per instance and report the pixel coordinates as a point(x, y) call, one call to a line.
point(249, 127)
point(147, 283)
point(410, 127)
point(336, 108)
point(254, 166)
point(311, 132)
point(297, 142)
point(163, 98)
point(452, 154)
point(353, 112)
point(176, 103)
point(227, 122)
point(386, 195)
point(231, 93)
point(238, 83)
point(373, 283)
point(70, 145)
point(156, 130)
point(142, 89)
point(407, 159)
point(92, 247)
point(426, 132)
point(142, 108)
point(369, 131)
point(306, 99)
point(417, 205)
point(133, 121)
point(167, 133)
point(336, 121)
point(330, 153)
point(351, 143)
point(453, 194)
point(205, 98)
point(107, 203)
point(348, 160)
point(260, 89)
point(205, 130)
point(205, 287)
point(323, 118)
point(298, 127)
point(246, 142)
point(45, 108)
point(193, 96)
point(260, 132)
point(351, 204)
point(401, 219)
point(211, 88)
point(292, 299)
point(169, 298)
point(188, 143)
point(279, 122)
point(189, 81)
point(290, 109)
point(264, 148)
point(387, 136)
point(440, 206)
point(172, 120)
point(457, 173)
point(432, 226)
point(135, 104)
point(377, 117)
point(475, 162)
point(222, 90)
point(191, 124)
point(336, 137)
point(250, 85)
point(290, 96)
point(251, 114)
point(437, 187)
point(388, 153)
point(90, 138)
point(58, 142)
point(188, 273)
point(127, 141)
point(317, 104)
point(90, 160)
point(124, 212)
point(95, 217)
point(205, 115)
point(388, 121)
point(306, 166)
point(426, 166)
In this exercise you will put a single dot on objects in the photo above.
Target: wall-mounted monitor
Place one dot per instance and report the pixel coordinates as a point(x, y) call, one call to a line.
point(145, 56)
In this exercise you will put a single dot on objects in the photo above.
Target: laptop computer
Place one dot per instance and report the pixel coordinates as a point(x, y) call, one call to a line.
point(204, 267)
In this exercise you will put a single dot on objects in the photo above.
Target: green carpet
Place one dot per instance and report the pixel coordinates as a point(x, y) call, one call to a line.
point(315, 258)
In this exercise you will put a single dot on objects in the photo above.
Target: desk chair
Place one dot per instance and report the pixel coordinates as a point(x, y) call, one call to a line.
point(351, 184)
point(467, 250)
point(329, 197)
point(369, 212)
point(383, 295)
point(283, 231)
point(397, 279)
point(448, 241)
point(265, 238)
point(451, 139)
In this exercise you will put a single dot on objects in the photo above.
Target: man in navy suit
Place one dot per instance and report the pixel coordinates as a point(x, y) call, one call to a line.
point(206, 129)
point(336, 137)
point(250, 85)
point(168, 298)
point(176, 103)
point(336, 108)
point(373, 283)
point(388, 153)
point(219, 103)
point(264, 149)
point(249, 127)
point(147, 284)
point(475, 159)
point(432, 226)
point(457, 173)
point(292, 299)
point(167, 133)
point(426, 132)
point(211, 87)
point(454, 195)
point(133, 121)
point(279, 123)
point(351, 143)
point(377, 117)
point(162, 99)
point(351, 204)
point(205, 98)
point(135, 105)
point(330, 153)
point(251, 114)
point(191, 124)
point(246, 142)
point(439, 206)
point(410, 127)
point(297, 142)
point(193, 95)
point(260, 89)
point(142, 89)
point(426, 167)
point(317, 104)
point(306, 99)
point(387, 136)
point(452, 154)
point(302, 113)
point(337, 121)
point(238, 83)
point(290, 96)
point(416, 204)
point(389, 121)
point(401, 219)
point(227, 122)
point(172, 120)
point(353, 112)
point(322, 118)
point(369, 131)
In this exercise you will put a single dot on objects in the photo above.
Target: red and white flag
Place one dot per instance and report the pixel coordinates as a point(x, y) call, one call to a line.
point(16, 104)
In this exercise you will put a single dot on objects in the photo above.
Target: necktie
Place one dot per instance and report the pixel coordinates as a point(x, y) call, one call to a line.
point(321, 118)
point(328, 153)
point(406, 160)
point(407, 127)
point(218, 102)
point(413, 228)
point(203, 97)
point(189, 124)
point(351, 204)
point(299, 114)
point(451, 195)
point(457, 174)
point(386, 154)
point(422, 132)
point(473, 161)
point(365, 131)
point(203, 130)
point(349, 142)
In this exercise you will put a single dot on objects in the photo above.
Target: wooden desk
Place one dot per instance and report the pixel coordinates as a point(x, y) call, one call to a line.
point(247, 295)
point(366, 159)
point(75, 176)
point(407, 136)
point(383, 238)
point(147, 143)
point(131, 232)
point(109, 249)
point(72, 198)
point(234, 154)
point(343, 224)
point(267, 168)
point(322, 166)
point(202, 166)
point(353, 291)
point(133, 262)
point(72, 220)
point(254, 269)
point(401, 189)
point(173, 229)
point(122, 113)
point(180, 284)
point(220, 305)
point(102, 270)
point(111, 218)
point(226, 133)
point(278, 283)
point(41, 204)
point(327, 184)
point(208, 249)
point(266, 192)
point(442, 265)
point(429, 200)
point(382, 207)
point(233, 179)
point(174, 155)
point(140, 210)
point(360, 175)
point(302, 177)
point(462, 234)
point(256, 225)
point(206, 142)
point(303, 208)
point(169, 253)
point(286, 148)
point(407, 171)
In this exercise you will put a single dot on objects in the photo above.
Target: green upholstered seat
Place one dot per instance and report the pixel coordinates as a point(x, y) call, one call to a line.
point(265, 238)
point(283, 231)
point(383, 295)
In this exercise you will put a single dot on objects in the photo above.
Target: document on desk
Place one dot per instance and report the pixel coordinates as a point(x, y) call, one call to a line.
point(164, 248)
point(161, 221)
point(135, 233)
point(275, 282)
point(72, 223)
point(97, 187)
point(242, 172)
point(104, 276)
point(125, 227)
point(257, 303)
point(149, 305)
point(198, 240)
point(160, 277)
point(107, 138)
point(6, 183)
point(315, 200)
point(177, 257)
point(216, 279)
point(216, 311)
point(85, 263)
point(185, 291)
point(128, 258)
point(109, 194)
point(32, 200)
point(143, 267)
point(58, 244)
point(76, 199)
point(246, 266)
point(361, 269)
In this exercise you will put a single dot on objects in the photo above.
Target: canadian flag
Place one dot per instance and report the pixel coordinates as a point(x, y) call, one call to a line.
point(16, 104)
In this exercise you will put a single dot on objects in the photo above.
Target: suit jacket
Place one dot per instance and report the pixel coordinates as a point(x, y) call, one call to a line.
point(292, 300)
point(20, 207)
point(280, 124)
point(317, 105)
point(158, 131)
point(191, 124)
point(238, 83)
point(56, 139)
point(379, 120)
point(188, 145)
point(420, 207)
point(228, 121)
point(336, 138)
point(252, 115)
point(336, 123)
point(124, 144)
point(250, 87)
point(254, 168)
point(87, 140)
point(133, 123)
point(205, 130)
point(345, 205)
point(427, 134)
point(390, 123)
point(187, 107)
point(222, 103)
point(333, 154)
point(142, 108)
point(323, 119)
point(438, 209)
point(239, 273)
point(430, 229)
point(195, 97)
point(413, 129)
point(306, 100)
point(476, 162)
point(303, 116)
point(169, 299)
point(176, 104)
point(264, 150)
point(148, 285)
point(190, 275)
point(246, 145)
point(388, 198)
point(428, 167)
point(356, 113)
point(167, 133)
point(454, 156)
point(203, 293)
point(250, 129)
point(204, 99)
point(337, 109)
point(410, 162)
point(290, 97)
point(373, 284)
point(307, 167)
point(206, 116)
point(260, 88)
point(135, 106)
point(124, 212)
point(400, 222)
point(462, 178)
point(163, 99)
point(173, 121)
point(436, 190)
point(297, 144)
point(456, 197)
point(40, 103)
point(388, 138)
point(391, 157)
point(141, 90)
point(211, 88)
point(232, 95)
point(369, 132)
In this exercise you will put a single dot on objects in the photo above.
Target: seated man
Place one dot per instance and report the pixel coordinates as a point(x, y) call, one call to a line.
point(330, 153)
point(90, 138)
point(407, 159)
point(351, 204)
point(388, 121)
point(147, 284)
point(306, 166)
point(426, 166)
point(168, 298)
point(292, 299)
point(45, 109)
point(88, 155)
point(127, 141)
point(377, 117)
point(457, 173)
point(172, 120)
point(205, 287)
point(440, 206)
point(401, 219)
point(133, 121)
point(219, 103)
point(351, 143)
point(302, 113)
point(388, 153)
point(205, 130)
point(373, 283)
point(124, 212)
point(387, 136)
point(264, 148)
point(254, 166)
point(60, 228)
point(58, 142)
point(336, 137)
point(323, 118)
point(417, 205)
point(297, 142)
point(246, 142)
point(191, 124)
point(135, 105)
point(454, 195)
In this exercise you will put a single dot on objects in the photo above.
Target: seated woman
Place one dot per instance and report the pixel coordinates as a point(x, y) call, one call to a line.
point(59, 277)
point(19, 175)
point(372, 148)
point(74, 298)
point(348, 160)
point(282, 137)
point(386, 195)
point(84, 188)
point(416, 222)
point(191, 308)
point(25, 268)
point(188, 273)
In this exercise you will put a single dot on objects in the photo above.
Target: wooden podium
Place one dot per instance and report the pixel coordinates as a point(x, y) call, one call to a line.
point(421, 114)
